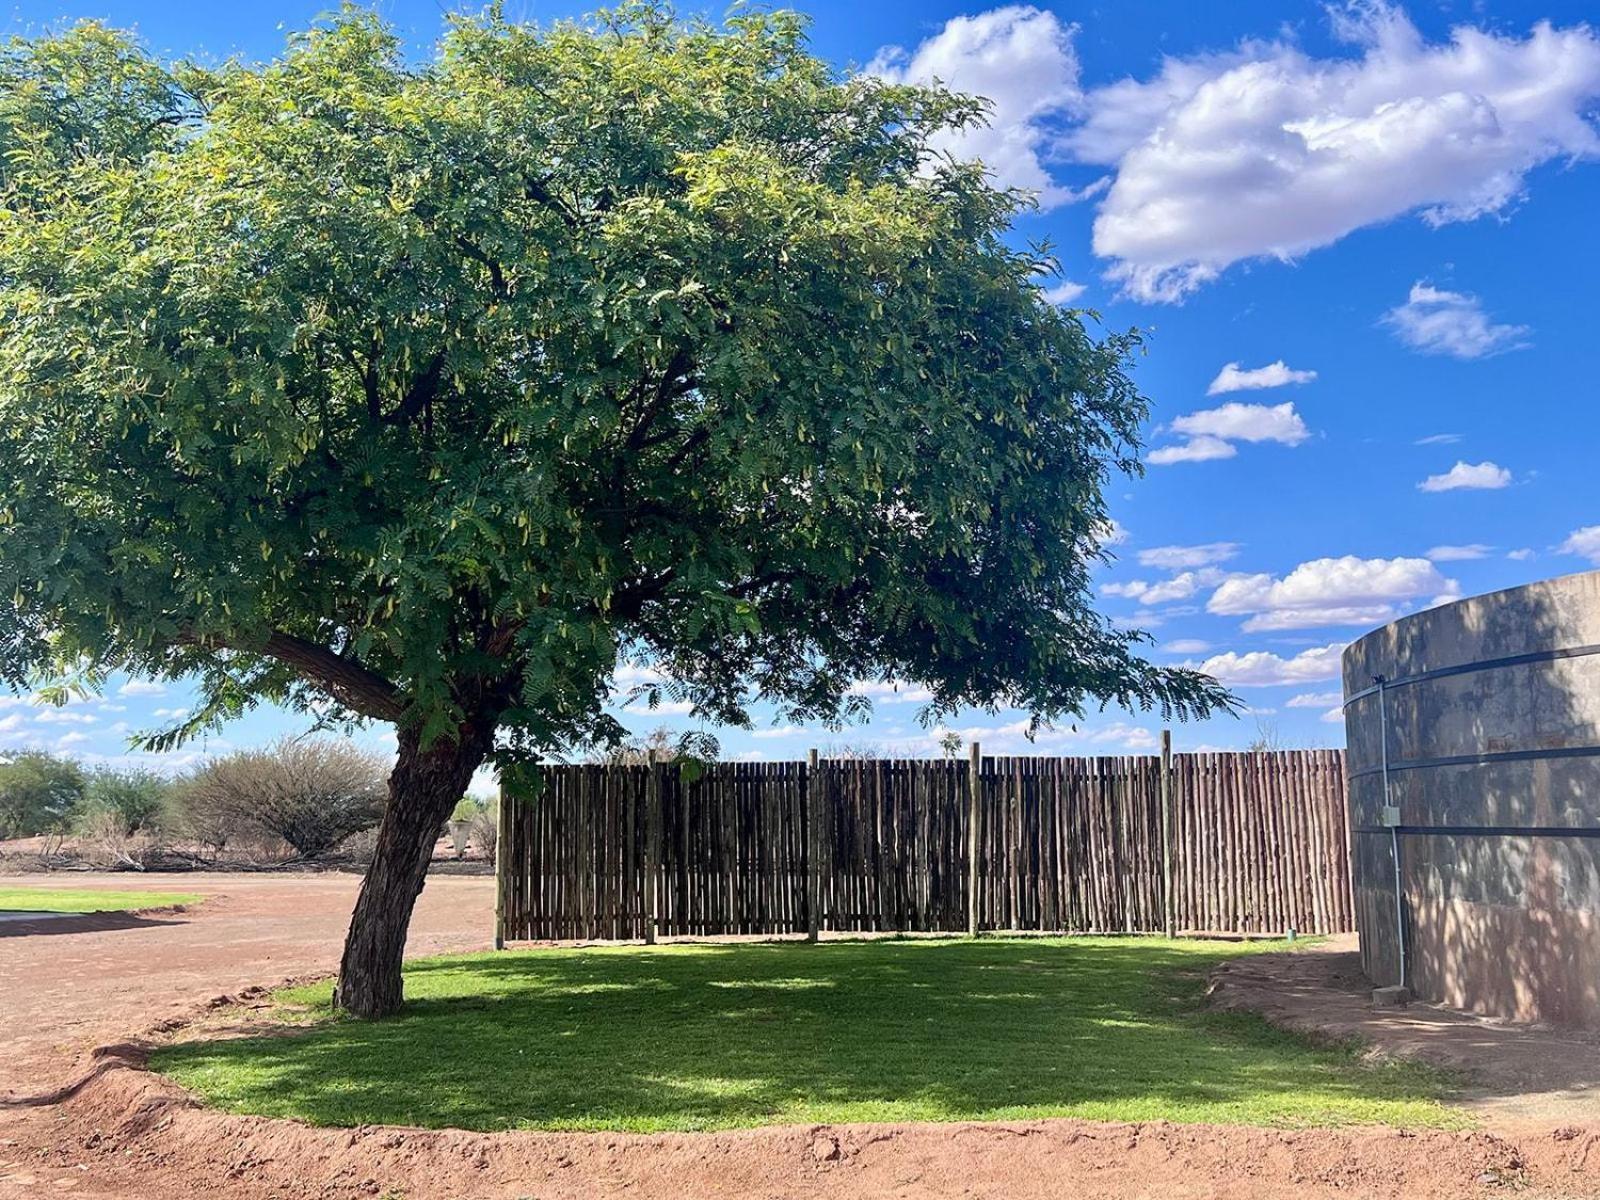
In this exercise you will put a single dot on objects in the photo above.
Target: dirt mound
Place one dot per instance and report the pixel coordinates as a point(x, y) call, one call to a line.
point(133, 1134)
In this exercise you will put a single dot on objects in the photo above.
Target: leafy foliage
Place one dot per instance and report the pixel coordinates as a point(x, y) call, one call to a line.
point(135, 800)
point(38, 793)
point(433, 390)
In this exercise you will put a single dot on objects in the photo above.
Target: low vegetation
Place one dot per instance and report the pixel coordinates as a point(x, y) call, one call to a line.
point(79, 900)
point(310, 794)
point(704, 1037)
point(299, 799)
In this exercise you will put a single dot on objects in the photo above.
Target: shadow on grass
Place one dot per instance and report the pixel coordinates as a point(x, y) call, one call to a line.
point(694, 1037)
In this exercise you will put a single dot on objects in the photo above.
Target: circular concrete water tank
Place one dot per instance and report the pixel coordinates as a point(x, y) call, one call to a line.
point(1488, 712)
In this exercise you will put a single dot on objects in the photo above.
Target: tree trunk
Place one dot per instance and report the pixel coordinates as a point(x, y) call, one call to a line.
point(423, 788)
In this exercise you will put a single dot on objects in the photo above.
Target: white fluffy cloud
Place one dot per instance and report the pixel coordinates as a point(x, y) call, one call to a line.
point(1434, 321)
point(629, 674)
point(890, 692)
point(1186, 646)
point(1212, 432)
point(63, 716)
point(1178, 558)
point(1246, 423)
point(1268, 152)
point(1022, 60)
point(1065, 292)
point(1112, 533)
point(1479, 476)
point(1584, 542)
point(1262, 668)
point(1467, 553)
point(1329, 591)
point(667, 708)
point(1275, 374)
point(141, 687)
point(1165, 591)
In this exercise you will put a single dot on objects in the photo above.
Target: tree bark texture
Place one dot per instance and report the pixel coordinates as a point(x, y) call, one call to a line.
point(424, 787)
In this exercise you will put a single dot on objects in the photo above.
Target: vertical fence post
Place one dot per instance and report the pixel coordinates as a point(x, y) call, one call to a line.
point(813, 846)
point(1169, 899)
point(502, 865)
point(974, 759)
point(652, 852)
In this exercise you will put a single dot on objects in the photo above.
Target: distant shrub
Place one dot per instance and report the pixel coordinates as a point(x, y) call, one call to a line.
point(134, 800)
point(313, 794)
point(203, 818)
point(38, 793)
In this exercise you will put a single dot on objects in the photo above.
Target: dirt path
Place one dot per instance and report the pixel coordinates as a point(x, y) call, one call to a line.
point(1521, 1076)
point(67, 986)
point(124, 1133)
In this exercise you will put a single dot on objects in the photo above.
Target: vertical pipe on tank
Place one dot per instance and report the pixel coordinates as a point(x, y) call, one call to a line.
point(1392, 821)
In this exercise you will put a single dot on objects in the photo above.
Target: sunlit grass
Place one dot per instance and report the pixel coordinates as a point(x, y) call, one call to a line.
point(716, 1036)
point(83, 900)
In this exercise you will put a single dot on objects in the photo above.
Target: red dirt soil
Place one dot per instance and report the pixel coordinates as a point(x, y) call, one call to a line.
point(119, 1131)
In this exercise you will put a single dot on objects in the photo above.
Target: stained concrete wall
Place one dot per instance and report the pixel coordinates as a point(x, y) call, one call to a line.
point(1507, 925)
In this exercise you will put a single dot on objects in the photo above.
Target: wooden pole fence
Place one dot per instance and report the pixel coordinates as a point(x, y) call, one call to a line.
point(1247, 843)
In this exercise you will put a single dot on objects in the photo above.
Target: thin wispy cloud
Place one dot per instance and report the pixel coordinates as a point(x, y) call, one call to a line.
point(1435, 321)
point(1467, 553)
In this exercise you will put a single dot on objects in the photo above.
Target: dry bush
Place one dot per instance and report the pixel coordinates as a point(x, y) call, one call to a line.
point(312, 794)
point(360, 847)
point(104, 840)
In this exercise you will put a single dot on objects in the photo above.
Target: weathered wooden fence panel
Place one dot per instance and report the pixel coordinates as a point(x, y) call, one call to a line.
point(1258, 844)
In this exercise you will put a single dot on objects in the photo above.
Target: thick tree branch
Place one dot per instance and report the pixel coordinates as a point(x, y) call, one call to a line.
point(419, 395)
point(351, 684)
point(674, 382)
point(497, 274)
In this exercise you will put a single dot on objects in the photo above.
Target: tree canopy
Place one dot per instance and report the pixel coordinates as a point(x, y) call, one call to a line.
point(431, 391)
point(418, 388)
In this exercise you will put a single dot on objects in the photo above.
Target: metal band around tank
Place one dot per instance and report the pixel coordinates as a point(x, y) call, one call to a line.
point(1551, 831)
point(1478, 760)
point(1487, 664)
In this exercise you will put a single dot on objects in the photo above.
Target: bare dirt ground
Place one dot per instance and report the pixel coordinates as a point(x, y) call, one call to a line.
point(1518, 1075)
point(81, 1121)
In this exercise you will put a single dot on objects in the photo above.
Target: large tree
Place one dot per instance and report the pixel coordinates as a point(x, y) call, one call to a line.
point(427, 392)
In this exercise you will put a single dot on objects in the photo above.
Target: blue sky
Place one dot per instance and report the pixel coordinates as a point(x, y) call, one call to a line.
point(1381, 217)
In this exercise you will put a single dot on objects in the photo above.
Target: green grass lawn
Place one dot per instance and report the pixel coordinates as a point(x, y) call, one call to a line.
point(717, 1036)
point(81, 900)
